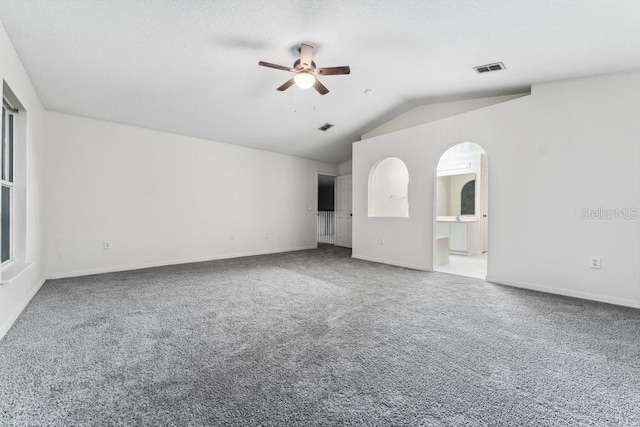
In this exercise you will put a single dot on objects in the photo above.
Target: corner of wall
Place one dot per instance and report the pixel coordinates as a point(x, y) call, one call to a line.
point(16, 294)
point(345, 168)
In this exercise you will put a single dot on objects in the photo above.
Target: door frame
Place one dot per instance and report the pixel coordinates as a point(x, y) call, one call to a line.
point(315, 224)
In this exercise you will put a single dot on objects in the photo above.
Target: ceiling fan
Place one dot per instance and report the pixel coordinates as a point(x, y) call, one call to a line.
point(306, 71)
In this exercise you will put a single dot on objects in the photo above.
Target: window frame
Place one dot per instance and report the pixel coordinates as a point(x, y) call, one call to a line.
point(7, 176)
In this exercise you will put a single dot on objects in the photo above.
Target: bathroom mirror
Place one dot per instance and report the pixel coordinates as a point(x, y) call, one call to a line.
point(456, 195)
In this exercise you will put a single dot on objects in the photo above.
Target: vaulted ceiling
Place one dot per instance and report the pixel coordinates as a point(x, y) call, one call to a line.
point(191, 67)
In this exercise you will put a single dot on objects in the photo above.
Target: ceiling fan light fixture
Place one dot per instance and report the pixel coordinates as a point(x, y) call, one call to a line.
point(305, 71)
point(304, 80)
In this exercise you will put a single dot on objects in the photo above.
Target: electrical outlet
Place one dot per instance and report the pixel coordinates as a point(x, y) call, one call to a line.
point(381, 241)
point(106, 245)
point(266, 236)
point(232, 238)
point(594, 262)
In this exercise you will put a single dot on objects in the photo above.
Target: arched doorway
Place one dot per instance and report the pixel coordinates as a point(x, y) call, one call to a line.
point(461, 211)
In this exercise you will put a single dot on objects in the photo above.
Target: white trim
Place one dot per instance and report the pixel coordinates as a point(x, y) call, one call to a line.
point(18, 310)
point(566, 292)
point(8, 106)
point(116, 269)
point(391, 262)
point(9, 261)
point(12, 271)
point(5, 266)
point(9, 163)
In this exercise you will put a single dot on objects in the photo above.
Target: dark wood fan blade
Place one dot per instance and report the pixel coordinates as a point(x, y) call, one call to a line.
point(306, 52)
point(277, 67)
point(286, 85)
point(332, 71)
point(322, 90)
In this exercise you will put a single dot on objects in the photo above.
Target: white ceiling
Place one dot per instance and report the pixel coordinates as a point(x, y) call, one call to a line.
point(191, 67)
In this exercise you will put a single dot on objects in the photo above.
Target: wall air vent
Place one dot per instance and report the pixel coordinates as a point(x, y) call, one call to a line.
point(496, 66)
point(325, 127)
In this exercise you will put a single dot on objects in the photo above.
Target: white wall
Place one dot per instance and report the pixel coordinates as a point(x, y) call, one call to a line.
point(455, 189)
point(345, 168)
point(24, 282)
point(436, 111)
point(161, 198)
point(569, 145)
point(443, 197)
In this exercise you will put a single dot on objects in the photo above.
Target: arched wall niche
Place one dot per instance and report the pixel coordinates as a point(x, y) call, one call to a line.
point(389, 189)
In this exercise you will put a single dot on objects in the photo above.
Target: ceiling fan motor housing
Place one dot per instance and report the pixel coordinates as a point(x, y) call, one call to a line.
point(299, 67)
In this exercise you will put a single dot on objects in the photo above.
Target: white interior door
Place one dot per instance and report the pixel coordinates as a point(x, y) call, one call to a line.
point(343, 210)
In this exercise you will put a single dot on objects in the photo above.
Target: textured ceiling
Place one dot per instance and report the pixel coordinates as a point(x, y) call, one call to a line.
point(190, 67)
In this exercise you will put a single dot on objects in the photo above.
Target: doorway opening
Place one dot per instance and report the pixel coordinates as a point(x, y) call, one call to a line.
point(461, 211)
point(326, 222)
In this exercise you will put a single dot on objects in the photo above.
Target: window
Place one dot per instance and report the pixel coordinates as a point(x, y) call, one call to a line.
point(468, 198)
point(7, 197)
point(389, 189)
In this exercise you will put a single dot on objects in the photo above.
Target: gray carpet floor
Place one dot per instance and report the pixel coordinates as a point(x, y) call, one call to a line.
point(315, 338)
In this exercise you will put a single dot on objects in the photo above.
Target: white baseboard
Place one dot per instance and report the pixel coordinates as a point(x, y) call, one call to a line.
point(115, 269)
point(16, 312)
point(566, 292)
point(390, 262)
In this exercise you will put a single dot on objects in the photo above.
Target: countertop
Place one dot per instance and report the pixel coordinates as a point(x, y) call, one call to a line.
point(462, 218)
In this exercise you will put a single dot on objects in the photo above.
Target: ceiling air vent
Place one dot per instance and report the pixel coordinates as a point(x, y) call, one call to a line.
point(496, 66)
point(325, 127)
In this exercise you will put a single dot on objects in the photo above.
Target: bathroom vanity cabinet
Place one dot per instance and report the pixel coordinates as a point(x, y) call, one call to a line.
point(463, 238)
